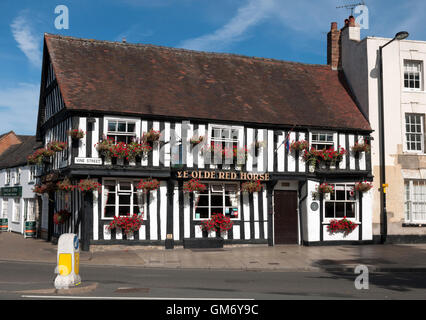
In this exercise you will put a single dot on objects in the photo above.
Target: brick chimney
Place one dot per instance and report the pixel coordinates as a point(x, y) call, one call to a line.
point(334, 47)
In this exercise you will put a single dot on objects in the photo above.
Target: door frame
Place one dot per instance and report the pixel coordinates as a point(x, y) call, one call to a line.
point(287, 185)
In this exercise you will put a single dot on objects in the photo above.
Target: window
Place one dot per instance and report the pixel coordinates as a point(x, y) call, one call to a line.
point(412, 74)
point(121, 130)
point(29, 209)
point(322, 140)
point(121, 198)
point(223, 138)
point(414, 132)
point(16, 217)
point(4, 207)
point(218, 198)
point(342, 203)
point(415, 201)
point(18, 176)
point(7, 177)
point(32, 173)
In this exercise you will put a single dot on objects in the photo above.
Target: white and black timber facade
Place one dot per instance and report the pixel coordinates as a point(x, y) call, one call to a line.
point(284, 211)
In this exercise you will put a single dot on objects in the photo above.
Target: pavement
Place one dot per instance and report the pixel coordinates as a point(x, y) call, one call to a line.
point(379, 258)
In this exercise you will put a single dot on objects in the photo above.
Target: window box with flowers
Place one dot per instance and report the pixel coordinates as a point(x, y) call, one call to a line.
point(331, 157)
point(343, 225)
point(127, 224)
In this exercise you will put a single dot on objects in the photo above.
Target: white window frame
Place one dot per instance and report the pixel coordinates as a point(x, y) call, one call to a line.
point(227, 141)
point(118, 190)
point(17, 176)
point(409, 199)
point(326, 142)
point(350, 186)
point(32, 172)
point(7, 177)
point(16, 214)
point(30, 207)
point(421, 116)
point(5, 208)
point(208, 184)
point(136, 121)
point(412, 72)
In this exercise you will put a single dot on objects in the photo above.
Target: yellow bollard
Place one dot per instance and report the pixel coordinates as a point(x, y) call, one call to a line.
point(68, 262)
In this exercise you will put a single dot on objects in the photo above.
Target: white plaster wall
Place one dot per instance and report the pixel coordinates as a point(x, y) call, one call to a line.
point(312, 233)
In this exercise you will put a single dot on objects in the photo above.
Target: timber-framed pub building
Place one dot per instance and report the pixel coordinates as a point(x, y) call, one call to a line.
point(259, 107)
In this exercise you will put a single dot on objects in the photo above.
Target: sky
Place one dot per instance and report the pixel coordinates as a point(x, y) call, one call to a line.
point(281, 29)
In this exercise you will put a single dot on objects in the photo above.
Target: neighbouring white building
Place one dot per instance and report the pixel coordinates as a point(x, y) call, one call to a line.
point(404, 121)
point(18, 202)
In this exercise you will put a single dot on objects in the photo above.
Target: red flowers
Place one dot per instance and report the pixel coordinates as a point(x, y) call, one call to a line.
point(65, 185)
point(127, 224)
point(251, 186)
point(361, 147)
point(61, 216)
point(56, 146)
point(86, 185)
point(148, 184)
point(325, 188)
point(363, 186)
point(299, 145)
point(344, 225)
point(76, 134)
point(331, 154)
point(194, 185)
point(218, 222)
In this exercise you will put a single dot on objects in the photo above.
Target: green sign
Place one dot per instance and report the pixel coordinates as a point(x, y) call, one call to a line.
point(11, 191)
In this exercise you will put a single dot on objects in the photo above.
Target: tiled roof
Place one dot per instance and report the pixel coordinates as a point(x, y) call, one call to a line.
point(16, 155)
point(159, 81)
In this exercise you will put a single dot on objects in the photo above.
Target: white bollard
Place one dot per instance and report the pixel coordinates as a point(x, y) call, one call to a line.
point(68, 262)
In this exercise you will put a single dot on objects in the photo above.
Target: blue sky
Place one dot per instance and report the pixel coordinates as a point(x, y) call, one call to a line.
point(281, 29)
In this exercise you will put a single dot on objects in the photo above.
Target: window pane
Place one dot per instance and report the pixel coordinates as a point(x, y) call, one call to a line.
point(109, 211)
point(124, 185)
point(340, 192)
point(124, 210)
point(350, 209)
point(340, 209)
point(203, 201)
point(124, 199)
point(111, 198)
point(112, 125)
point(216, 210)
point(121, 127)
point(216, 200)
point(202, 213)
point(131, 127)
point(329, 209)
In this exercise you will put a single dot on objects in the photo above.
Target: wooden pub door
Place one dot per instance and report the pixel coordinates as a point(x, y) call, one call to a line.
point(285, 217)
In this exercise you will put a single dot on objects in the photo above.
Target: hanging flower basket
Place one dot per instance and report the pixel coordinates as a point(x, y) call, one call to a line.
point(311, 158)
point(56, 146)
point(127, 224)
point(151, 136)
point(61, 216)
point(87, 185)
point(65, 185)
point(196, 140)
point(39, 156)
point(363, 186)
point(194, 185)
point(344, 225)
point(137, 149)
point(218, 222)
point(300, 145)
point(361, 147)
point(104, 147)
point(148, 185)
point(76, 134)
point(40, 189)
point(325, 188)
point(251, 186)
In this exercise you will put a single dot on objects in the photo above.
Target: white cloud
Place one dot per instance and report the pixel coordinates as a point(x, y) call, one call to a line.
point(249, 15)
point(19, 108)
point(28, 42)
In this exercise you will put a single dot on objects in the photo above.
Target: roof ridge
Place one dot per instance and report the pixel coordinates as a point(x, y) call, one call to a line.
point(183, 50)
